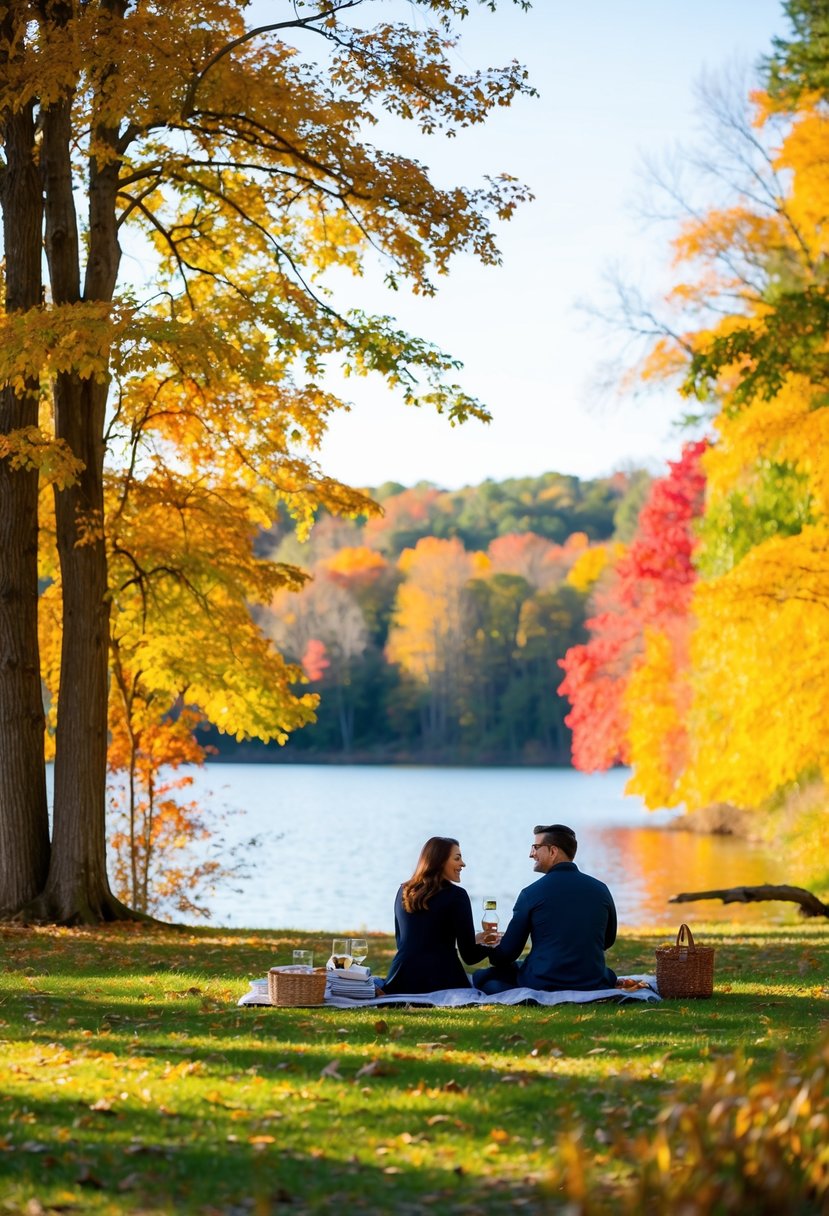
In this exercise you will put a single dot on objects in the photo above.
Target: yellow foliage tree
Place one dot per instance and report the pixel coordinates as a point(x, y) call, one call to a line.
point(430, 624)
point(591, 564)
point(756, 719)
point(242, 170)
point(656, 702)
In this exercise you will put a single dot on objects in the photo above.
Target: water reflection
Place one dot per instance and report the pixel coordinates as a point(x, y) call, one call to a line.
point(644, 867)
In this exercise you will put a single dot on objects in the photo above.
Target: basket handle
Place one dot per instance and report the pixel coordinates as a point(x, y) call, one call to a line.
point(684, 931)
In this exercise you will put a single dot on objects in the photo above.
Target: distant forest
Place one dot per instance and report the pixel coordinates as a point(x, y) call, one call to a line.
point(432, 632)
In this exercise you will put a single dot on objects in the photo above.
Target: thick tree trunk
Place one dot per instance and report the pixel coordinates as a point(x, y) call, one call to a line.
point(24, 826)
point(77, 889)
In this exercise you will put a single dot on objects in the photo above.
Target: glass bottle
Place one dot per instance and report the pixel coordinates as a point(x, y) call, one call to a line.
point(490, 919)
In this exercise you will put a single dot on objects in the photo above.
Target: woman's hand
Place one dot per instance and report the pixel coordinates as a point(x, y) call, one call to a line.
point(488, 939)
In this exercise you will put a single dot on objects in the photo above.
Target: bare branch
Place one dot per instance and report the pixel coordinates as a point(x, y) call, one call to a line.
point(156, 223)
point(134, 201)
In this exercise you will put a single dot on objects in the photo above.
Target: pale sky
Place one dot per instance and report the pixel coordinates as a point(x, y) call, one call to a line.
point(617, 83)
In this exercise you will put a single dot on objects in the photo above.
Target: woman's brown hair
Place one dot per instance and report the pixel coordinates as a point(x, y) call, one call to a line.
point(428, 878)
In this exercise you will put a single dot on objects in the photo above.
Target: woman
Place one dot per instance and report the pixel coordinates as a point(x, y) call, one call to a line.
point(432, 922)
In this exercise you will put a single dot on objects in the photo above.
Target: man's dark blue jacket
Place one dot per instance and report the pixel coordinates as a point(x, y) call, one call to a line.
point(571, 919)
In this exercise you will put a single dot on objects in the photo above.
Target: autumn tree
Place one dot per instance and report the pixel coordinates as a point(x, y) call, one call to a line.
point(153, 828)
point(799, 64)
point(638, 642)
point(525, 554)
point(431, 625)
point(244, 169)
point(323, 628)
point(491, 656)
point(24, 830)
point(552, 623)
point(371, 581)
point(524, 618)
point(504, 704)
point(181, 564)
point(747, 338)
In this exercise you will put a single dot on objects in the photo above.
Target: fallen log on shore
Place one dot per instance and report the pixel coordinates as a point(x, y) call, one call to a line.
point(810, 905)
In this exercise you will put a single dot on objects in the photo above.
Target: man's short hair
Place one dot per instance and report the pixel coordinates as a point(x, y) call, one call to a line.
point(562, 837)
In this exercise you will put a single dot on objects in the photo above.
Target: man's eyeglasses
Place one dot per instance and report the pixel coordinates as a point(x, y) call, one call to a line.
point(535, 847)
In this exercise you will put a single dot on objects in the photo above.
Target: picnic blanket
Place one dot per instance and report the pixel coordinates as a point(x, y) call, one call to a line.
point(455, 998)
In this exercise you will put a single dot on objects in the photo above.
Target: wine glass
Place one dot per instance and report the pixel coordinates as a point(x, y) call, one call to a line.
point(359, 949)
point(340, 954)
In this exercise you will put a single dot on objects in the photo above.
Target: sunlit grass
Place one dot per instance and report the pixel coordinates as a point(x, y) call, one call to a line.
point(132, 1082)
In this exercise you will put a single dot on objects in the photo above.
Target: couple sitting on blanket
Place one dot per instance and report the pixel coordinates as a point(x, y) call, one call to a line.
point(570, 917)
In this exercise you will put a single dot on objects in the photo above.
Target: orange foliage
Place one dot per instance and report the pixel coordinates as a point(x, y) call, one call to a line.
point(154, 830)
point(355, 565)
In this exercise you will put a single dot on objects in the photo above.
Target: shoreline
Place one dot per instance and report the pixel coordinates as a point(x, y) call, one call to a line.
point(718, 820)
point(370, 761)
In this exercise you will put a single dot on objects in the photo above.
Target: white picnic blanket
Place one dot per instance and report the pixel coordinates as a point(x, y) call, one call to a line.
point(454, 998)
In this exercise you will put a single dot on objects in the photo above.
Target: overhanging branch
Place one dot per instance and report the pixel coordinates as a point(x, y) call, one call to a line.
point(810, 905)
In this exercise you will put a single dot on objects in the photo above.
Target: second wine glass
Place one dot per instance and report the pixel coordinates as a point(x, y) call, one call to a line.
point(340, 954)
point(359, 949)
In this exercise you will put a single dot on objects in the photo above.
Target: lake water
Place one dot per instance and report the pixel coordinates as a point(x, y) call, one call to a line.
point(336, 841)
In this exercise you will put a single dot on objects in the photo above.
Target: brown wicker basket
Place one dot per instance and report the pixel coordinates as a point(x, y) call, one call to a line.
point(296, 988)
point(685, 970)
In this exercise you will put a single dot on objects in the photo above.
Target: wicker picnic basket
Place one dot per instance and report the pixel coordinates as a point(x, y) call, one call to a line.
point(685, 970)
point(288, 987)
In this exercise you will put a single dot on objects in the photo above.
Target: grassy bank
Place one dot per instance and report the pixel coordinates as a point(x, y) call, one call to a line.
point(132, 1083)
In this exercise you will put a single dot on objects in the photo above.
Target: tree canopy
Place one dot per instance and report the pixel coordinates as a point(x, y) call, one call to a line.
point(746, 338)
point(174, 416)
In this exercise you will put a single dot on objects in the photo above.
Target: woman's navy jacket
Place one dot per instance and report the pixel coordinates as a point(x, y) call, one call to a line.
point(428, 942)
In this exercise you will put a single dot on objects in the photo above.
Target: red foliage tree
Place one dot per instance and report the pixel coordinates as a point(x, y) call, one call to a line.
point(651, 587)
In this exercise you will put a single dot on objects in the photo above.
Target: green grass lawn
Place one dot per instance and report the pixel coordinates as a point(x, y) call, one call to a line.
point(131, 1082)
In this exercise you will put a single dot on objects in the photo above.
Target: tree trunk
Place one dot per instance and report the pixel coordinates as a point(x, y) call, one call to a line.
point(77, 889)
point(24, 826)
point(345, 716)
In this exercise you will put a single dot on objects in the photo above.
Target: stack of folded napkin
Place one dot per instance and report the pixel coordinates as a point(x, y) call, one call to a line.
point(355, 983)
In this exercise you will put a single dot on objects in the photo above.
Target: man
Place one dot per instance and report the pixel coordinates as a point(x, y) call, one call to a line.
point(570, 917)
